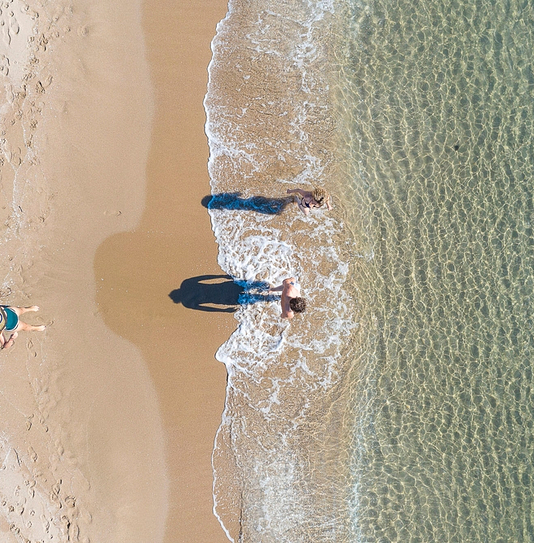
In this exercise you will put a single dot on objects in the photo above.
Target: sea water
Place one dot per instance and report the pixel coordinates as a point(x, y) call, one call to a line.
point(398, 406)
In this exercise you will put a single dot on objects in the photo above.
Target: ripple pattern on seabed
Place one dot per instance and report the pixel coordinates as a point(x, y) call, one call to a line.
point(440, 133)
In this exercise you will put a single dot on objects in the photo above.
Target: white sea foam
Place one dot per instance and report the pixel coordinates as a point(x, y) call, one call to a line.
point(270, 127)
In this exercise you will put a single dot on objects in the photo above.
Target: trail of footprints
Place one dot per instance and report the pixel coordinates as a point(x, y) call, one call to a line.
point(35, 508)
point(36, 505)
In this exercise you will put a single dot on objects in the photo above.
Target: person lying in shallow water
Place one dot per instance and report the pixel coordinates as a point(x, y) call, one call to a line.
point(307, 200)
point(10, 322)
point(291, 300)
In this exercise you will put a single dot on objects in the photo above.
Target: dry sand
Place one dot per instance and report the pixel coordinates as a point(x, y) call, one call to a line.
point(109, 416)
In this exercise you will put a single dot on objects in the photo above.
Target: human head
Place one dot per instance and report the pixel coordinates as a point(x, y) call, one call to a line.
point(297, 305)
point(320, 196)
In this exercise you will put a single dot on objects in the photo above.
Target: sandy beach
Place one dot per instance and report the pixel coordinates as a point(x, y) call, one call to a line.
point(109, 416)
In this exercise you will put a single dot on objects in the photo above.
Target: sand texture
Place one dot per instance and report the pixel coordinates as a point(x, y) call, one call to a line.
point(109, 415)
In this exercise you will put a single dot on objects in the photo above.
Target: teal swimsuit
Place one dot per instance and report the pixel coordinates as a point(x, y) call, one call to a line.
point(12, 319)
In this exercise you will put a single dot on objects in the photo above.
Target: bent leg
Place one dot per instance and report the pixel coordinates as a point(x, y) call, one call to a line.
point(22, 325)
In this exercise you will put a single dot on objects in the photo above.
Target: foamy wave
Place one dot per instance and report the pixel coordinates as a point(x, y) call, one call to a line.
point(270, 126)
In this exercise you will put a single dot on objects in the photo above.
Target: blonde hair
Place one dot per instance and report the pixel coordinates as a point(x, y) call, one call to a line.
point(320, 196)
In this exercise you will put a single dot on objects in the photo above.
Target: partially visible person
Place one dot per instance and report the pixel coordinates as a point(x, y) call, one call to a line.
point(291, 300)
point(10, 322)
point(307, 200)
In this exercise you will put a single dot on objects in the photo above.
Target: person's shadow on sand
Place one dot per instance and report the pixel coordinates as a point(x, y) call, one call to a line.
point(219, 293)
point(259, 204)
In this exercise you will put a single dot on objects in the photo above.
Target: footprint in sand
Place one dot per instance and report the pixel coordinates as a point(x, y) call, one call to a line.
point(4, 65)
point(32, 454)
point(59, 447)
point(6, 37)
point(45, 523)
point(29, 345)
point(33, 14)
point(55, 499)
point(31, 488)
point(56, 489)
point(14, 27)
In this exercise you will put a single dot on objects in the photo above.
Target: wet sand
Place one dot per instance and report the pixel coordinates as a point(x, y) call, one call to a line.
point(109, 416)
point(174, 242)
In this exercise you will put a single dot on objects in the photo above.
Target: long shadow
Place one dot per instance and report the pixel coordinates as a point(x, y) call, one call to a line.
point(219, 293)
point(259, 204)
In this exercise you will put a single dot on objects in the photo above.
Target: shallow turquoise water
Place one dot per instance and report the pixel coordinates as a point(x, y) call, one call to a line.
point(440, 107)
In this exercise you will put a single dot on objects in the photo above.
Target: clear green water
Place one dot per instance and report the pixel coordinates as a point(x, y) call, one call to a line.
point(438, 111)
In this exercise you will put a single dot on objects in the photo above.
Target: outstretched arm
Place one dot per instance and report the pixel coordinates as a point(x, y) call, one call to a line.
point(285, 282)
point(276, 289)
point(300, 191)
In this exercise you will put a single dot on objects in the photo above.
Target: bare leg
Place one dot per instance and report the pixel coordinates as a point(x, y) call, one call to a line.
point(276, 289)
point(304, 209)
point(300, 205)
point(29, 327)
point(21, 310)
point(22, 325)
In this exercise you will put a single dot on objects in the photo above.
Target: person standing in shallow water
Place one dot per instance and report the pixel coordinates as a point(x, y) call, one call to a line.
point(10, 322)
point(314, 199)
point(291, 300)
